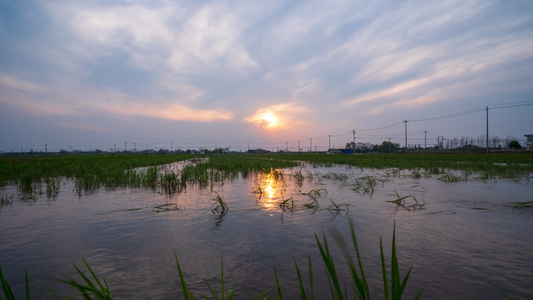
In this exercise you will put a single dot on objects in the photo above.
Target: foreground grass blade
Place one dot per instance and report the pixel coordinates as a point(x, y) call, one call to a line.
point(27, 285)
point(5, 287)
point(330, 268)
point(384, 270)
point(501, 291)
point(100, 292)
point(186, 291)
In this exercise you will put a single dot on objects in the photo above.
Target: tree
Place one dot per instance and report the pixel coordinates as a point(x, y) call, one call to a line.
point(387, 147)
point(514, 145)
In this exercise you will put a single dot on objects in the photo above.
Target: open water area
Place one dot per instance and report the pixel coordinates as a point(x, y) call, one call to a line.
point(460, 238)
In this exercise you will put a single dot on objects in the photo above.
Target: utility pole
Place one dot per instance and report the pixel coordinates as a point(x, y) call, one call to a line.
point(487, 129)
point(171, 147)
point(329, 145)
point(353, 131)
point(125, 146)
point(405, 135)
point(389, 145)
point(425, 134)
point(298, 146)
point(310, 144)
point(134, 147)
point(248, 146)
point(45, 149)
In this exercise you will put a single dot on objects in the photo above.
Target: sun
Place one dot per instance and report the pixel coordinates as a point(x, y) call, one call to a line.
point(270, 120)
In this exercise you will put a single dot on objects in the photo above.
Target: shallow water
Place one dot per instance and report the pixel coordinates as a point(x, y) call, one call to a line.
point(464, 235)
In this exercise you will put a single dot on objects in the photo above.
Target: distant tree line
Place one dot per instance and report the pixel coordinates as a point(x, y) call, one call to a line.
point(458, 144)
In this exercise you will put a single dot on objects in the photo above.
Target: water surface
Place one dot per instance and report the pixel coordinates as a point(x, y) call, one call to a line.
point(461, 237)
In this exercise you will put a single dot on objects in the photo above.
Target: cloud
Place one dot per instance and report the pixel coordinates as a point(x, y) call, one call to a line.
point(62, 101)
point(13, 82)
point(91, 127)
point(210, 40)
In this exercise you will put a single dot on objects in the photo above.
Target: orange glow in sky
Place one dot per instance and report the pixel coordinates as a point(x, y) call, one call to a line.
point(270, 119)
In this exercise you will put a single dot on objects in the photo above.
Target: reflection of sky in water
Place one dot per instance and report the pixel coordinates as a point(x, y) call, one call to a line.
point(466, 236)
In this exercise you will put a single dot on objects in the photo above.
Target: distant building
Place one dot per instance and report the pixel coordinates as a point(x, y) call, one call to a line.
point(529, 141)
point(258, 151)
point(339, 151)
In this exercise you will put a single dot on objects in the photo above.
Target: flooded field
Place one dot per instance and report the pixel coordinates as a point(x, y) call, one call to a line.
point(460, 238)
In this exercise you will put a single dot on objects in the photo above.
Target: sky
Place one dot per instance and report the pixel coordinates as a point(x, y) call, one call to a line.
point(261, 74)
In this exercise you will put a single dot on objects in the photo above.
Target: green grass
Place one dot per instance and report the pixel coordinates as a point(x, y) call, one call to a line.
point(91, 172)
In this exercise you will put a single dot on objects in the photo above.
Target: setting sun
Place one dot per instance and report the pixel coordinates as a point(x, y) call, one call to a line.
point(270, 119)
point(277, 116)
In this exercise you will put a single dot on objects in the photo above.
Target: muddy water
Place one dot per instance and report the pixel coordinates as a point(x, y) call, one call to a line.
point(458, 239)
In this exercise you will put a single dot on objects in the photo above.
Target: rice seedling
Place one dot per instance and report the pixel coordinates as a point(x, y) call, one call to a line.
point(220, 207)
point(299, 178)
point(6, 199)
point(337, 208)
point(52, 186)
point(213, 290)
point(6, 288)
point(258, 190)
point(166, 207)
point(400, 202)
point(366, 185)
point(360, 284)
point(302, 292)
point(316, 193)
point(287, 205)
point(88, 288)
point(449, 177)
point(170, 183)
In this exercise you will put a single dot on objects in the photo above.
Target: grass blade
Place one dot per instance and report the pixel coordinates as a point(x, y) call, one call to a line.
point(5, 287)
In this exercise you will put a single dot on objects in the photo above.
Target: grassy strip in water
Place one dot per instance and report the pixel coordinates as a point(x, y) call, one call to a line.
point(88, 172)
point(487, 165)
point(107, 169)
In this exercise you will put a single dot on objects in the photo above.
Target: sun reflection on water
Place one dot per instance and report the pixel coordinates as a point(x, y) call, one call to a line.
point(269, 189)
